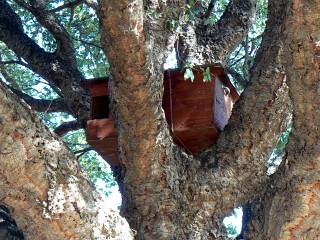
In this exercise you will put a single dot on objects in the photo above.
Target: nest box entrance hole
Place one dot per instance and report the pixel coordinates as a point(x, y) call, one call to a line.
point(100, 107)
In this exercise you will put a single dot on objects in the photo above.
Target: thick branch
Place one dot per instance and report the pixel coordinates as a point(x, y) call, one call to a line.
point(66, 127)
point(48, 20)
point(294, 187)
point(59, 71)
point(41, 105)
point(202, 43)
point(39, 170)
point(242, 150)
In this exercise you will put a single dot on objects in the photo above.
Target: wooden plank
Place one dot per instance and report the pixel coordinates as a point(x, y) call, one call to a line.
point(97, 88)
point(107, 148)
point(190, 114)
point(195, 140)
point(101, 136)
point(190, 103)
point(181, 89)
point(226, 81)
point(100, 128)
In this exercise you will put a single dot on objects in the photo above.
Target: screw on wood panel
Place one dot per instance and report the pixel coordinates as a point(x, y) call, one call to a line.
point(226, 90)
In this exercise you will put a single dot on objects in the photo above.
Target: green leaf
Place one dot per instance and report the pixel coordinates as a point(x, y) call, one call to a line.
point(188, 74)
point(206, 74)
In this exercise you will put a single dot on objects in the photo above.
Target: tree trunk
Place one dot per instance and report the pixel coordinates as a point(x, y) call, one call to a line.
point(49, 195)
point(168, 194)
point(290, 207)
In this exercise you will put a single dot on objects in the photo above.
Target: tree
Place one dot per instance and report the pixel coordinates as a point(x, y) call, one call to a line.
point(168, 194)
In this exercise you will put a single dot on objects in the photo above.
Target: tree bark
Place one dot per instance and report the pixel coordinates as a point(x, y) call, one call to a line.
point(49, 195)
point(58, 68)
point(167, 193)
point(200, 43)
point(290, 209)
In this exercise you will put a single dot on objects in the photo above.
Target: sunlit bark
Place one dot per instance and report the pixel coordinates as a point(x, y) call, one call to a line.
point(290, 207)
point(42, 184)
point(167, 193)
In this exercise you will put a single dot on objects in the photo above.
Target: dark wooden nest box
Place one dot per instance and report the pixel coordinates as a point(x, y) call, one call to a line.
point(195, 111)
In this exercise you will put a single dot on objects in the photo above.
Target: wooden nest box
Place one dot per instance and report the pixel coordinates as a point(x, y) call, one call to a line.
point(195, 111)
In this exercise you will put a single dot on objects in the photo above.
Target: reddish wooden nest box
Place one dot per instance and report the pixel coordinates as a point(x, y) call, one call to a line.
point(195, 111)
point(100, 132)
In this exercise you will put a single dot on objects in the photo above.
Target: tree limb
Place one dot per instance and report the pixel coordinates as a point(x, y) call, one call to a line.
point(66, 127)
point(88, 43)
point(202, 43)
point(13, 83)
point(58, 69)
point(42, 105)
point(15, 62)
point(82, 152)
point(48, 20)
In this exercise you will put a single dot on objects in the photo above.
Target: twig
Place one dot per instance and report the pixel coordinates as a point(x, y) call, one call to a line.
point(82, 151)
point(87, 43)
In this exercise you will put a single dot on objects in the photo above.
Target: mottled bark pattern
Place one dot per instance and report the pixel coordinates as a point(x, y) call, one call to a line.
point(200, 43)
point(168, 194)
point(49, 195)
point(135, 51)
point(290, 208)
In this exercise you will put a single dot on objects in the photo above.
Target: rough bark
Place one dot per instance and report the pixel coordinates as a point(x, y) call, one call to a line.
point(49, 195)
point(290, 207)
point(200, 43)
point(166, 193)
point(136, 91)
